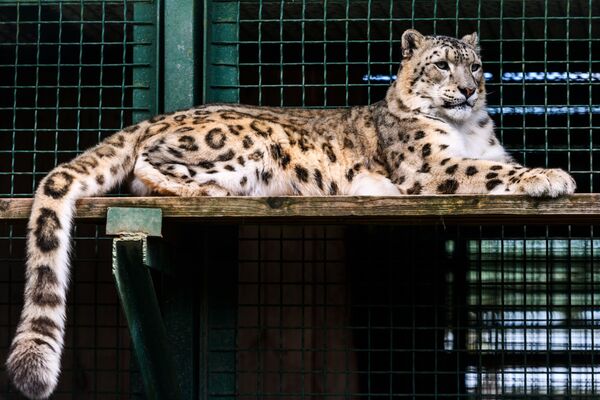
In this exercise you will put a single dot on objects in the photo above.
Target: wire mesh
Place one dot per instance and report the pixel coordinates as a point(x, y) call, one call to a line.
point(543, 75)
point(486, 312)
point(534, 325)
point(98, 361)
point(66, 81)
point(414, 312)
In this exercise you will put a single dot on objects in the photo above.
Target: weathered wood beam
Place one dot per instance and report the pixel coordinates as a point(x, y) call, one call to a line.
point(580, 208)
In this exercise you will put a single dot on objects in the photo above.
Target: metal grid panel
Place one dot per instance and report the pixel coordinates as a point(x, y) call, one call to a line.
point(71, 72)
point(98, 359)
point(428, 314)
point(414, 312)
point(540, 57)
point(292, 336)
point(533, 317)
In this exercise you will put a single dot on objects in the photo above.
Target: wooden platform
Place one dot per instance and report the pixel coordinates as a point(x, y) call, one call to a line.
point(577, 209)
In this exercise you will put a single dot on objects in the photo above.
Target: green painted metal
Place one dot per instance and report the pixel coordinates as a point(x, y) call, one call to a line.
point(221, 55)
point(146, 73)
point(182, 42)
point(131, 220)
point(148, 334)
point(158, 255)
point(182, 89)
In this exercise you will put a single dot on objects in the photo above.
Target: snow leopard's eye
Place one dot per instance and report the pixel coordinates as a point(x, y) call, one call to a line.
point(475, 67)
point(443, 65)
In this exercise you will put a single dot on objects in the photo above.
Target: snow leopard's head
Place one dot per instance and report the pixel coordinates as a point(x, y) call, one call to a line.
point(441, 75)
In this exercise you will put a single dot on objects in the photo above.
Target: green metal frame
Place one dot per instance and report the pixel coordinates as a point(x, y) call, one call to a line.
point(167, 338)
point(133, 254)
point(148, 332)
point(145, 78)
point(182, 46)
point(221, 52)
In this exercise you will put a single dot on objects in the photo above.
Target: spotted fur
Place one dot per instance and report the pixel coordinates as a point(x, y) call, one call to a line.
point(430, 135)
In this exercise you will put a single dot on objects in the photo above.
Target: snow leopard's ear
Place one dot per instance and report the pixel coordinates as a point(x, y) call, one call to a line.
point(411, 40)
point(472, 40)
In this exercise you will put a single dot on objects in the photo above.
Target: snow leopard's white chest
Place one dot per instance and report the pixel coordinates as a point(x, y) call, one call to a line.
point(469, 140)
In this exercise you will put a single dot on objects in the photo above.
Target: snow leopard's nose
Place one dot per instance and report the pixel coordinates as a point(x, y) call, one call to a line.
point(466, 91)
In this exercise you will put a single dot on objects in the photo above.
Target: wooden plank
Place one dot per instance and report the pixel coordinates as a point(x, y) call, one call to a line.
point(580, 208)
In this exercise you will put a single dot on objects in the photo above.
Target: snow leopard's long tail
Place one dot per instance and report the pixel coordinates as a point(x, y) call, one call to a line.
point(34, 360)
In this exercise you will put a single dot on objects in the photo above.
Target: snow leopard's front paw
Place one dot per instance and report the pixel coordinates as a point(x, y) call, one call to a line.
point(540, 182)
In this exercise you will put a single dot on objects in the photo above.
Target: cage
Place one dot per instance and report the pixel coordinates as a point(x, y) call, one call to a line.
point(292, 310)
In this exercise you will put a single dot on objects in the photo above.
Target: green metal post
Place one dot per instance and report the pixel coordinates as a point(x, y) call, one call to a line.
point(181, 53)
point(181, 89)
point(145, 71)
point(221, 51)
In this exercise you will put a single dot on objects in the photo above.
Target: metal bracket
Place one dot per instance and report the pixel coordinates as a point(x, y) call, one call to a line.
point(126, 221)
point(133, 252)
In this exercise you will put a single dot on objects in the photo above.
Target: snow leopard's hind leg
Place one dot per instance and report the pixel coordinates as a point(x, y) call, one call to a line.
point(172, 179)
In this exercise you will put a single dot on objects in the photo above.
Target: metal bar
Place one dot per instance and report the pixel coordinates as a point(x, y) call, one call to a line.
point(146, 327)
point(221, 59)
point(134, 220)
point(181, 54)
point(145, 68)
